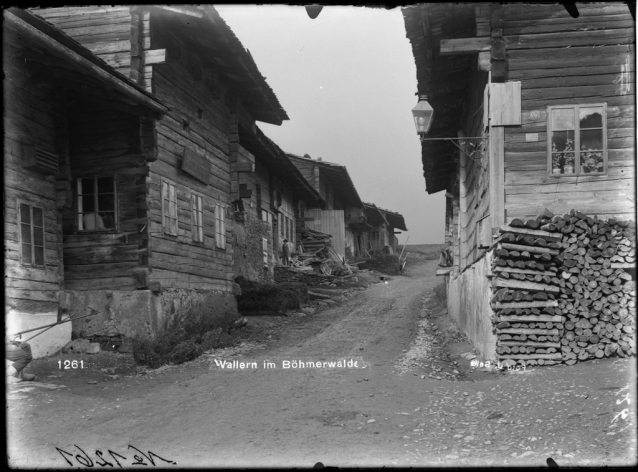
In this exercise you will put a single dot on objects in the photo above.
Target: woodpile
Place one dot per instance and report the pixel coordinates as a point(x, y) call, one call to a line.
point(561, 289)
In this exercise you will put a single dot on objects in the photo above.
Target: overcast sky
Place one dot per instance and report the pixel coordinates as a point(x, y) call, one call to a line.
point(347, 80)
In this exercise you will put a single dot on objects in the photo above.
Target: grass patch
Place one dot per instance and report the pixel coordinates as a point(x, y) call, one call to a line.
point(201, 328)
point(440, 294)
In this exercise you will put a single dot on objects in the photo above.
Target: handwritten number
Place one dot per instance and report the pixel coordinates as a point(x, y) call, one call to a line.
point(150, 456)
point(105, 463)
point(79, 458)
point(61, 451)
point(118, 462)
point(627, 399)
point(139, 460)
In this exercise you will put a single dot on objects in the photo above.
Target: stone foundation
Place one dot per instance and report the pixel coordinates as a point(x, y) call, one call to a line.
point(139, 313)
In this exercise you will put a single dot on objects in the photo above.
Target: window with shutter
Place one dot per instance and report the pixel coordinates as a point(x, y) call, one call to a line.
point(169, 208)
point(197, 218)
point(31, 235)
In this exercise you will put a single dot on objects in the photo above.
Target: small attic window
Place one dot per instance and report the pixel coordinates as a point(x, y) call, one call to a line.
point(186, 125)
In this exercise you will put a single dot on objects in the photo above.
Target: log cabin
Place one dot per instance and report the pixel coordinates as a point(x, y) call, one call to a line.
point(75, 133)
point(534, 109)
point(170, 240)
point(381, 233)
point(272, 199)
point(342, 215)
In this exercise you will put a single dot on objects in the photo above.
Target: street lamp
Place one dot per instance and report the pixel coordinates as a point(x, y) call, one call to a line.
point(423, 115)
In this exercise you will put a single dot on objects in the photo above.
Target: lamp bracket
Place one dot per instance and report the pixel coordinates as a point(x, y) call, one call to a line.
point(464, 138)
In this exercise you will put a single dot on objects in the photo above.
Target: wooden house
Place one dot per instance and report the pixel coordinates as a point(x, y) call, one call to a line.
point(172, 241)
point(76, 146)
point(534, 108)
point(273, 196)
point(342, 216)
point(383, 224)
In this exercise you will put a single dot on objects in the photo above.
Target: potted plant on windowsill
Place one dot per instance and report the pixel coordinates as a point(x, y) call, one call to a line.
point(556, 163)
point(556, 160)
point(568, 166)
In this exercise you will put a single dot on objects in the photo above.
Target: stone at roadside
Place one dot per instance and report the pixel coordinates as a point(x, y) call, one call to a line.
point(308, 310)
point(93, 348)
point(76, 346)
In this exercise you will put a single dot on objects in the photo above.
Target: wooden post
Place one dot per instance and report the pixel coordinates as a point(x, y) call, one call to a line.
point(497, 177)
point(463, 163)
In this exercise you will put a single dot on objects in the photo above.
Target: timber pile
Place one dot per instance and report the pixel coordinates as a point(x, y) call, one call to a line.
point(561, 290)
point(598, 297)
point(526, 289)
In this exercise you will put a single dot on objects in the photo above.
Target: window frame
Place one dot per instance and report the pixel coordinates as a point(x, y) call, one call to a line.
point(220, 225)
point(32, 244)
point(197, 223)
point(78, 214)
point(167, 228)
point(577, 131)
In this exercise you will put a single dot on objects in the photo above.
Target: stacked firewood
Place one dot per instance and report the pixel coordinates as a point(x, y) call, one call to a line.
point(562, 290)
point(598, 297)
point(526, 291)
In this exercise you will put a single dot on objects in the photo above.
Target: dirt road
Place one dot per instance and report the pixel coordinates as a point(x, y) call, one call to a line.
point(384, 406)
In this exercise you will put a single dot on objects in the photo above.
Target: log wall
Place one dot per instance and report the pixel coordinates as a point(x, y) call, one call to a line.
point(474, 176)
point(30, 117)
point(104, 30)
point(200, 122)
point(101, 143)
point(468, 303)
point(563, 60)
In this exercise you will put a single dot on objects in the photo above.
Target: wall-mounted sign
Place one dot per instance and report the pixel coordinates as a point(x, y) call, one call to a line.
point(531, 137)
point(196, 165)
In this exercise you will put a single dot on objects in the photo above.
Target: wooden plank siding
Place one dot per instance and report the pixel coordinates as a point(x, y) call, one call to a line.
point(561, 60)
point(103, 30)
point(101, 144)
point(474, 176)
point(30, 118)
point(200, 122)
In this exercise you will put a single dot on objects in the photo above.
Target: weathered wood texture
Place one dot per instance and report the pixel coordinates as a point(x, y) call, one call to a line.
point(30, 116)
point(102, 143)
point(561, 60)
point(104, 30)
point(199, 121)
point(474, 177)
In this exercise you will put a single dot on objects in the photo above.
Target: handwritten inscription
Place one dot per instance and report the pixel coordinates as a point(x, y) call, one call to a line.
point(84, 459)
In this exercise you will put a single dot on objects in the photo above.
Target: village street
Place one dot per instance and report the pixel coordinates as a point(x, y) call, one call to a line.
point(388, 410)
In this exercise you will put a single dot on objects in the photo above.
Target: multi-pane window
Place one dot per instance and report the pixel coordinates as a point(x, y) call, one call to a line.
point(96, 203)
point(197, 218)
point(169, 208)
point(31, 235)
point(577, 139)
point(220, 226)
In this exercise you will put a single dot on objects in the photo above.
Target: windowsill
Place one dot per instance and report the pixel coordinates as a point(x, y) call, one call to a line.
point(31, 266)
point(586, 174)
point(98, 231)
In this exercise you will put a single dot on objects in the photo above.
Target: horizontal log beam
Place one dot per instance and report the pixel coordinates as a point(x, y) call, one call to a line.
point(465, 45)
point(536, 344)
point(512, 270)
point(539, 331)
point(242, 167)
point(154, 56)
point(532, 232)
point(556, 356)
point(522, 285)
point(539, 304)
point(443, 271)
point(533, 249)
point(531, 318)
